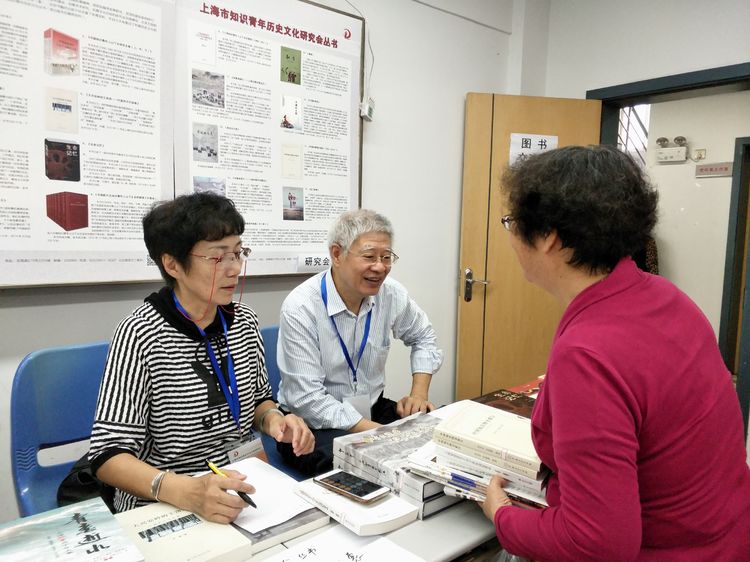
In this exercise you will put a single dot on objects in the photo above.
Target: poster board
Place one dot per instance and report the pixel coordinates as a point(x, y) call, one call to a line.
point(108, 107)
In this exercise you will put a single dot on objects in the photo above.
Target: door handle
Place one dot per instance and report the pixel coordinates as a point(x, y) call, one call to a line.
point(469, 283)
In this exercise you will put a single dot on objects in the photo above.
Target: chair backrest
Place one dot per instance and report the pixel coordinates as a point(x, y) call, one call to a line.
point(52, 403)
point(270, 340)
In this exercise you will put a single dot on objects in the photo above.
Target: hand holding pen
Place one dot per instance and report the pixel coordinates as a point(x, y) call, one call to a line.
point(216, 470)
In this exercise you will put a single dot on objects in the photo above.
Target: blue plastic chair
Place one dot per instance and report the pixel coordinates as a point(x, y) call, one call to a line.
point(52, 403)
point(270, 336)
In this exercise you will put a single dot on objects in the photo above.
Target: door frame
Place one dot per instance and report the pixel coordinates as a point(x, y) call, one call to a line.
point(720, 80)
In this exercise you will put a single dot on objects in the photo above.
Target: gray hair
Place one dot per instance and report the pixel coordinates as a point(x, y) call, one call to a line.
point(353, 224)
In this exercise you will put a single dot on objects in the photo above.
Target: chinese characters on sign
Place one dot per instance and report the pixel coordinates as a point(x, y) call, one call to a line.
point(523, 145)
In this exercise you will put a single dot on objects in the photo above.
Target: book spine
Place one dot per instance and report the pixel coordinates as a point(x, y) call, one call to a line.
point(453, 459)
point(499, 457)
point(387, 475)
point(332, 512)
point(414, 497)
point(436, 504)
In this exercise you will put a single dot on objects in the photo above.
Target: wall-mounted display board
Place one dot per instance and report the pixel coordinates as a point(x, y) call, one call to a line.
point(107, 107)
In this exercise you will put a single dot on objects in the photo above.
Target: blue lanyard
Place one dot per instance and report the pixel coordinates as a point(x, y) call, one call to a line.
point(352, 368)
point(230, 392)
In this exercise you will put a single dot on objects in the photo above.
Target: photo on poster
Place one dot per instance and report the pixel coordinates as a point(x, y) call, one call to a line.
point(205, 142)
point(62, 54)
point(291, 161)
point(62, 160)
point(203, 47)
point(68, 210)
point(291, 113)
point(294, 203)
point(208, 88)
point(61, 110)
point(291, 65)
point(205, 184)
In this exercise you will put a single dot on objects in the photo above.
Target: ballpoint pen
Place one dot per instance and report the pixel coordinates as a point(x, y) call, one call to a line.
point(216, 470)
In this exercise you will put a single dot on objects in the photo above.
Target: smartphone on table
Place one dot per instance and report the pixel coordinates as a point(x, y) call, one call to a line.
point(351, 486)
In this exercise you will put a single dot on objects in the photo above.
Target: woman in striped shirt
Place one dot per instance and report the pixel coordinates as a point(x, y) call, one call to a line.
point(185, 379)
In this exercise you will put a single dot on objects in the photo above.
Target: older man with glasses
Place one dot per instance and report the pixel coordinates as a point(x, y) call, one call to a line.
point(335, 334)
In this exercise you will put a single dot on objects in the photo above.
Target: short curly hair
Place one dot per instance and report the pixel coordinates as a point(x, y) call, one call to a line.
point(597, 199)
point(174, 227)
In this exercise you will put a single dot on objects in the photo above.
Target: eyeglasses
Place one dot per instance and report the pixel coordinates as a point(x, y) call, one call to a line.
point(372, 258)
point(227, 258)
point(507, 220)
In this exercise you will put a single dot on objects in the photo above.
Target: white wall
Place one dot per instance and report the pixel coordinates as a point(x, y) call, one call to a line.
point(694, 212)
point(425, 61)
point(599, 43)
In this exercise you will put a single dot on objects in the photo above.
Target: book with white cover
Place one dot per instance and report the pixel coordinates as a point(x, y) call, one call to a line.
point(382, 452)
point(83, 531)
point(378, 517)
point(297, 526)
point(413, 485)
point(455, 459)
point(424, 461)
point(491, 435)
point(169, 534)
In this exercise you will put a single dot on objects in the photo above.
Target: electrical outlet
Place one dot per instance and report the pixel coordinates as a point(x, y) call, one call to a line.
point(699, 154)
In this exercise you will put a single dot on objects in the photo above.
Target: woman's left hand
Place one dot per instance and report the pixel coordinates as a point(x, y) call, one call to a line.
point(496, 498)
point(292, 429)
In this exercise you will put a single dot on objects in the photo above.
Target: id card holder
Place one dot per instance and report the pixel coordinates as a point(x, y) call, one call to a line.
point(361, 403)
point(239, 450)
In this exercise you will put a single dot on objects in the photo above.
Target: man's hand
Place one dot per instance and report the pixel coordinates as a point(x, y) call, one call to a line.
point(496, 498)
point(409, 405)
point(292, 429)
point(417, 400)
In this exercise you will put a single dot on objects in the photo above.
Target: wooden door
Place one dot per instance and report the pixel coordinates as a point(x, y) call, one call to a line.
point(505, 331)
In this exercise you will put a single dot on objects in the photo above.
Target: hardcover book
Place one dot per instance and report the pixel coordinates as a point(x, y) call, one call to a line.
point(69, 210)
point(381, 454)
point(83, 531)
point(364, 519)
point(492, 435)
point(514, 402)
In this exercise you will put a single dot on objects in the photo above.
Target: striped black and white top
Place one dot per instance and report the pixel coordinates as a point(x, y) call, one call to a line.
point(160, 399)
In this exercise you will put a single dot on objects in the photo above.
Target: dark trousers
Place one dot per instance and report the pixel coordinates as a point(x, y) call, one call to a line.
point(321, 459)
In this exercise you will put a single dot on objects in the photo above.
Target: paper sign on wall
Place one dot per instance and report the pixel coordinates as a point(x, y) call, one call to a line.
point(523, 145)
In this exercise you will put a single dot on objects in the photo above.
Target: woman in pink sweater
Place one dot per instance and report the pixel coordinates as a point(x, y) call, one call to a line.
point(637, 418)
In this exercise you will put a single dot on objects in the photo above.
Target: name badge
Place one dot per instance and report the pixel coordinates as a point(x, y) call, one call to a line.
point(239, 450)
point(361, 403)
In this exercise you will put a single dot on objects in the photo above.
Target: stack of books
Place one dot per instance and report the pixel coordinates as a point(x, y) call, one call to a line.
point(486, 436)
point(381, 456)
